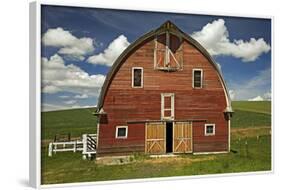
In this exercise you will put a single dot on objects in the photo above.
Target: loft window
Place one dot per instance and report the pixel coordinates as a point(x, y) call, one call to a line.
point(167, 106)
point(121, 132)
point(168, 54)
point(137, 77)
point(209, 129)
point(197, 78)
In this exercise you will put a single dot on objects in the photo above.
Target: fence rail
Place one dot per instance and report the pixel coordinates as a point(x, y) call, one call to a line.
point(88, 146)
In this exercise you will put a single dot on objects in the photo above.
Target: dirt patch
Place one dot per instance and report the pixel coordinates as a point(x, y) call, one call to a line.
point(115, 160)
point(185, 160)
point(120, 160)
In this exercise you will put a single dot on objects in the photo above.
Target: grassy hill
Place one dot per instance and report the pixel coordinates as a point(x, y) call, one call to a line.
point(258, 107)
point(75, 121)
point(251, 114)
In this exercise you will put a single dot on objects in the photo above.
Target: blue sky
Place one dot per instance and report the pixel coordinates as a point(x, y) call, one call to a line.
point(79, 46)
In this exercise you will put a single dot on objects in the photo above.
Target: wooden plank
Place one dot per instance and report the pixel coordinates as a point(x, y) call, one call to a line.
point(182, 137)
point(155, 138)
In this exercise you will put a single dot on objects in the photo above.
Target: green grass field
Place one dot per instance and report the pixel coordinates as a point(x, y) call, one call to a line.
point(251, 114)
point(76, 122)
point(247, 124)
point(257, 107)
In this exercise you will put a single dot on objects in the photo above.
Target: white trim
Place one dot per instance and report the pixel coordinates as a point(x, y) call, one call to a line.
point(116, 132)
point(163, 95)
point(202, 153)
point(214, 129)
point(133, 68)
point(201, 82)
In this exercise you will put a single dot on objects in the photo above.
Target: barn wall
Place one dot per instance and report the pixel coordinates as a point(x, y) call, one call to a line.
point(123, 103)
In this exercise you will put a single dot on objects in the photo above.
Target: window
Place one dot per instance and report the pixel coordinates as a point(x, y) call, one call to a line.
point(197, 78)
point(209, 129)
point(137, 77)
point(167, 106)
point(168, 53)
point(121, 132)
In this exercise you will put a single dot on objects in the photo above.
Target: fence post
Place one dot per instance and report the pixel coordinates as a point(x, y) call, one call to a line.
point(84, 143)
point(50, 149)
point(74, 148)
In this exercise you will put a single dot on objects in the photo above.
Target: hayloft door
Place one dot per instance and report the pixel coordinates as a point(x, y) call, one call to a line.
point(155, 138)
point(182, 137)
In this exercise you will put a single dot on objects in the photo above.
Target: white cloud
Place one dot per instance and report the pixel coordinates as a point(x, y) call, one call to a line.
point(215, 38)
point(232, 94)
point(111, 53)
point(54, 107)
point(58, 77)
point(219, 66)
point(69, 102)
point(63, 97)
point(51, 107)
point(258, 98)
point(265, 97)
point(70, 46)
point(259, 85)
point(82, 96)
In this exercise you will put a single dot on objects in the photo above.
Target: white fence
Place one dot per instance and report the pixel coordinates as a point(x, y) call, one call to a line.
point(88, 146)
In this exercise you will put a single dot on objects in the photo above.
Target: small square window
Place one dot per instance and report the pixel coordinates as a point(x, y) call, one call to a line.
point(209, 129)
point(121, 132)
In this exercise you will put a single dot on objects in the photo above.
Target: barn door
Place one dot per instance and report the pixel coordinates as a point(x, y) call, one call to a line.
point(182, 137)
point(155, 138)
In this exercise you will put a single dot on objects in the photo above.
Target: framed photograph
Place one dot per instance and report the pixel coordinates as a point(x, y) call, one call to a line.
point(138, 95)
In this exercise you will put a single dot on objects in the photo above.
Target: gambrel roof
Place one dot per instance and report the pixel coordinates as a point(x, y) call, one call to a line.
point(172, 28)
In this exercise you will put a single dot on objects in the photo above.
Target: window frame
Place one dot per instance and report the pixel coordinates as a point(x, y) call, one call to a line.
point(133, 74)
point(116, 132)
point(201, 78)
point(214, 129)
point(168, 52)
point(163, 95)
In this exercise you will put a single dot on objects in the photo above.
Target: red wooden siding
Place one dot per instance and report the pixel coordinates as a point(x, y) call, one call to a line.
point(122, 103)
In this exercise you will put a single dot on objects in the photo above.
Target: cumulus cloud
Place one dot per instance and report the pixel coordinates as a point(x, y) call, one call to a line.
point(259, 85)
point(70, 46)
point(215, 38)
point(69, 102)
point(265, 97)
point(111, 53)
point(232, 94)
point(81, 96)
point(219, 67)
point(63, 97)
point(258, 98)
point(59, 77)
point(53, 107)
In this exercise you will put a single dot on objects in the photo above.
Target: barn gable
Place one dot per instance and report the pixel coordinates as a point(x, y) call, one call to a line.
point(173, 29)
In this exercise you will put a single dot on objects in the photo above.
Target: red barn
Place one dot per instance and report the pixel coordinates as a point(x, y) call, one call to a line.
point(164, 94)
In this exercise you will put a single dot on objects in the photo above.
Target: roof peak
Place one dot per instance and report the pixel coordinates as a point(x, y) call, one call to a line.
point(169, 26)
